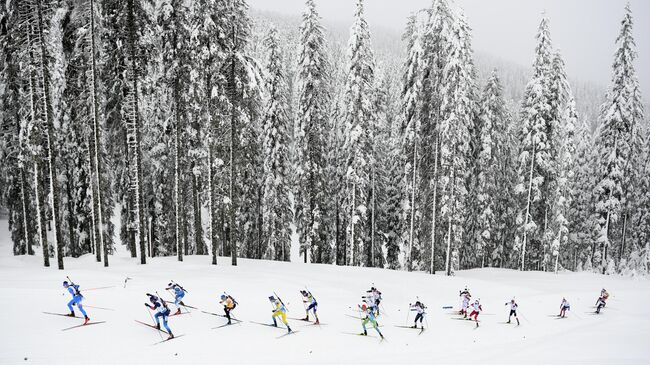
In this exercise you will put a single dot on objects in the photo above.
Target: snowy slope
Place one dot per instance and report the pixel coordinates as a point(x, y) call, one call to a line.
point(619, 335)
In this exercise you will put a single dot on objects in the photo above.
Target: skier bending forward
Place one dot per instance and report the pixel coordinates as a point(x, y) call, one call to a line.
point(228, 305)
point(76, 300)
point(370, 317)
point(162, 310)
point(564, 306)
point(179, 293)
point(279, 311)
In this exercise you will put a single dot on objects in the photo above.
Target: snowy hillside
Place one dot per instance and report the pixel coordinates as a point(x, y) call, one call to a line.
point(619, 335)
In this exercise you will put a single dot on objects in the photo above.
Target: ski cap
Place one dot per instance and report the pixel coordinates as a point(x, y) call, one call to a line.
point(65, 283)
point(272, 298)
point(223, 297)
point(363, 307)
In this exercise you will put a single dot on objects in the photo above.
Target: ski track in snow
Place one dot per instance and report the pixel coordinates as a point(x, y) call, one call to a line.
point(619, 336)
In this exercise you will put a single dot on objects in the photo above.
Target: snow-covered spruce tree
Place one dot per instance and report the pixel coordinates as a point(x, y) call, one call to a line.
point(639, 257)
point(114, 80)
point(208, 90)
point(555, 210)
point(358, 116)
point(84, 103)
point(40, 21)
point(412, 106)
point(311, 119)
point(275, 123)
point(14, 117)
point(241, 74)
point(131, 112)
point(386, 185)
point(582, 221)
point(172, 19)
point(617, 141)
point(566, 185)
point(493, 119)
point(535, 156)
point(458, 108)
point(423, 214)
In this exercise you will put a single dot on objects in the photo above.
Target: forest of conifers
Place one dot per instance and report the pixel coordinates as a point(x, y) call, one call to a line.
point(178, 127)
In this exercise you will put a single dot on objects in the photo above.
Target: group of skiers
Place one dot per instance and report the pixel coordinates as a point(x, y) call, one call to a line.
point(369, 308)
point(477, 308)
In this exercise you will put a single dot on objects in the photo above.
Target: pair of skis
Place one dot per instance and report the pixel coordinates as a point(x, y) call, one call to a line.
point(275, 326)
point(77, 326)
point(161, 330)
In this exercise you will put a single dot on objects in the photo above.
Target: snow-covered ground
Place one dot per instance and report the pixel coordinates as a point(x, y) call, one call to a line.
point(621, 335)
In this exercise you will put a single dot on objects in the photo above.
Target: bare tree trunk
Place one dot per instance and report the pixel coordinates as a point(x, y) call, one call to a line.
point(449, 228)
point(50, 143)
point(177, 195)
point(26, 212)
point(40, 215)
point(97, 185)
point(352, 213)
point(530, 191)
point(433, 208)
point(372, 223)
point(139, 204)
point(213, 206)
point(199, 245)
point(413, 187)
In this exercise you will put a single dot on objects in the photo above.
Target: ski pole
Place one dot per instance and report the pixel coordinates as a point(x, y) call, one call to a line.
point(154, 321)
point(408, 312)
point(524, 317)
point(90, 306)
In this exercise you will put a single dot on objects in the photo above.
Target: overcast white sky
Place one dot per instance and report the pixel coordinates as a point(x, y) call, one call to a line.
point(584, 30)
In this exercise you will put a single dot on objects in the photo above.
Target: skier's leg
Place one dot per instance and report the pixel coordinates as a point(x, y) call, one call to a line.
point(363, 323)
point(70, 303)
point(81, 308)
point(166, 325)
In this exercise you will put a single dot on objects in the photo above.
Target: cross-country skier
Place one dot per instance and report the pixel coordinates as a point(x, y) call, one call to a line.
point(513, 310)
point(601, 302)
point(465, 304)
point(418, 307)
point(307, 297)
point(476, 309)
point(603, 297)
point(179, 293)
point(228, 305)
point(370, 317)
point(564, 306)
point(373, 299)
point(73, 289)
point(279, 311)
point(159, 305)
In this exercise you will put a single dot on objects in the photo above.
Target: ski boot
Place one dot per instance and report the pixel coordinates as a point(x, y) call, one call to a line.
point(508, 322)
point(414, 326)
point(290, 330)
point(171, 335)
point(306, 319)
point(178, 311)
point(71, 314)
point(317, 321)
point(86, 320)
point(365, 333)
point(158, 326)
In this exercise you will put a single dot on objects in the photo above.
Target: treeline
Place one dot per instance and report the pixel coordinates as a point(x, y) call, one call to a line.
point(198, 135)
